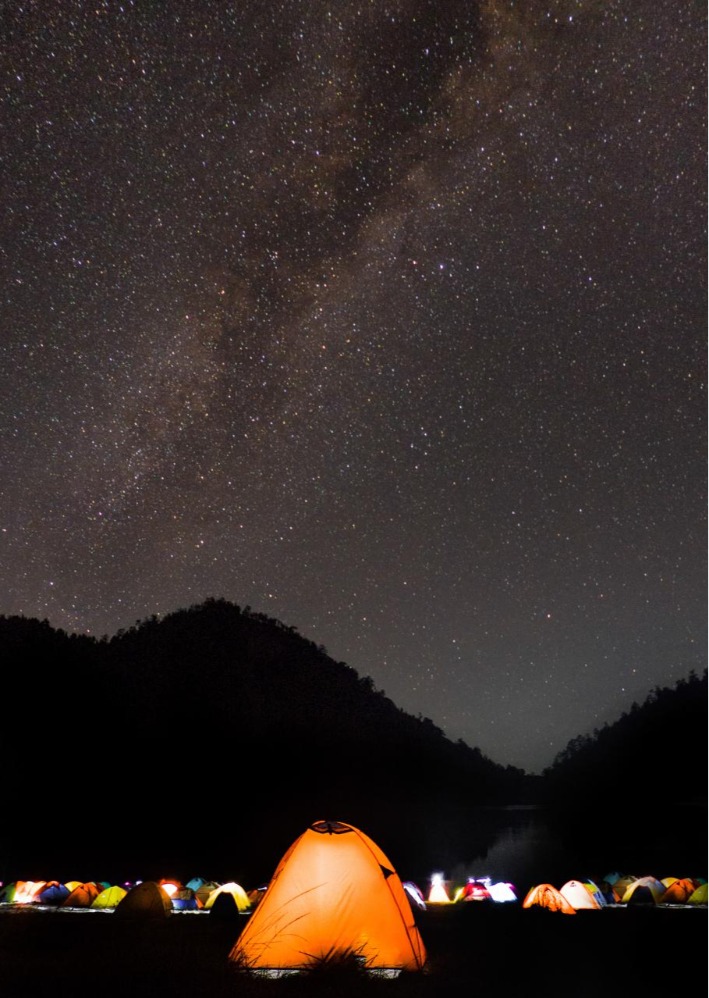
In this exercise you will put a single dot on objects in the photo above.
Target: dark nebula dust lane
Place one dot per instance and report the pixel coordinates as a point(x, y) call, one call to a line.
point(387, 320)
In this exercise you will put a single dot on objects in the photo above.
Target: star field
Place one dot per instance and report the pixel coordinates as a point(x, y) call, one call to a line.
point(385, 319)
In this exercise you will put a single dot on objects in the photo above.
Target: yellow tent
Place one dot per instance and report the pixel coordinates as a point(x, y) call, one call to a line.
point(110, 897)
point(333, 896)
point(647, 890)
point(241, 898)
point(699, 896)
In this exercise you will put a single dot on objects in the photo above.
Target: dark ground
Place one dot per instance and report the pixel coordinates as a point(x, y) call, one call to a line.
point(478, 949)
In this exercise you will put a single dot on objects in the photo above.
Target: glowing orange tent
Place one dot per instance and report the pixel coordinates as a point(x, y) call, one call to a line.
point(82, 896)
point(334, 895)
point(678, 891)
point(438, 894)
point(549, 897)
point(26, 891)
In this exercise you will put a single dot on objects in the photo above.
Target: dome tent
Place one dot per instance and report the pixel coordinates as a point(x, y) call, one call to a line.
point(579, 896)
point(236, 893)
point(548, 897)
point(147, 899)
point(347, 901)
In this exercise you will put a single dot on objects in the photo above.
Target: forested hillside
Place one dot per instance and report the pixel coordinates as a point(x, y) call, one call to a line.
point(657, 748)
point(212, 731)
point(214, 735)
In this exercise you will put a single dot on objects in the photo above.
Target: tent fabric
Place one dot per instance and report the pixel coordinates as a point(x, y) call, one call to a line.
point(182, 898)
point(22, 891)
point(415, 894)
point(26, 891)
point(241, 898)
point(699, 896)
point(644, 890)
point(547, 896)
point(146, 900)
point(225, 906)
point(171, 887)
point(53, 893)
point(255, 896)
point(438, 893)
point(607, 893)
point(595, 892)
point(578, 895)
point(474, 890)
point(502, 892)
point(109, 897)
point(206, 888)
point(678, 891)
point(621, 885)
point(82, 896)
point(334, 895)
point(612, 878)
point(7, 893)
point(202, 887)
point(185, 903)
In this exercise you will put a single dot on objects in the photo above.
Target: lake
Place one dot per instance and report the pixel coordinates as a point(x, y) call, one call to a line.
point(526, 845)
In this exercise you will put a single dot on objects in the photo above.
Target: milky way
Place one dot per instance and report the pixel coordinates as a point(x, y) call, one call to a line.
point(385, 319)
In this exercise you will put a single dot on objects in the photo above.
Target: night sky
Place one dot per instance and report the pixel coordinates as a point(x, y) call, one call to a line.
point(384, 318)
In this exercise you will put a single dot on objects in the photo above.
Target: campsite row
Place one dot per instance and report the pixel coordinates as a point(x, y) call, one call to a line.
point(197, 894)
point(347, 900)
point(200, 894)
point(576, 895)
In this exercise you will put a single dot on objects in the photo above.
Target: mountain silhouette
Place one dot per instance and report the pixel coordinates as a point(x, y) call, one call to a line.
point(214, 734)
point(209, 738)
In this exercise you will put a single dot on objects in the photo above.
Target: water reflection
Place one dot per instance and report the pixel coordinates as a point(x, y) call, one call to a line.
point(527, 845)
point(523, 844)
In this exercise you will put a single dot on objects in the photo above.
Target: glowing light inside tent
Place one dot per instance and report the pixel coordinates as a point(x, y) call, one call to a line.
point(438, 893)
point(27, 891)
point(502, 891)
point(476, 889)
point(415, 894)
